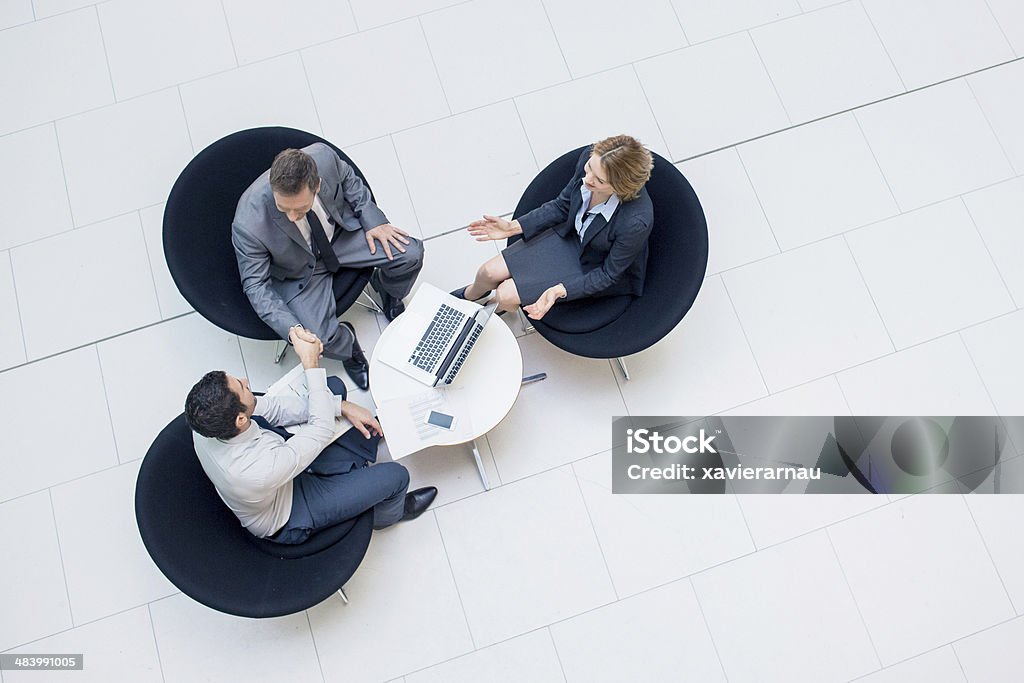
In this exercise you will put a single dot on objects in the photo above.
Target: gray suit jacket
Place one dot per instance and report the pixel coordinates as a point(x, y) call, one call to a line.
point(273, 259)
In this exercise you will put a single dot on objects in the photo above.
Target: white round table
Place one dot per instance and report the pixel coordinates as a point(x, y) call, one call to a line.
point(490, 379)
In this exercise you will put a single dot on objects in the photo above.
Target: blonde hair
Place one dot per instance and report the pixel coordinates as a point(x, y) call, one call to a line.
point(626, 162)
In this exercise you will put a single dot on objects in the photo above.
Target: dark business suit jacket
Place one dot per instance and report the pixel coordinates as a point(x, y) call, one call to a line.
point(613, 254)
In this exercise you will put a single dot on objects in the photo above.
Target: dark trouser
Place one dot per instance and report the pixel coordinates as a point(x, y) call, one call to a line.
point(341, 484)
point(315, 306)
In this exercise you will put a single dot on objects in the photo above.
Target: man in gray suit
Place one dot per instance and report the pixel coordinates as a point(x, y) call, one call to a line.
point(297, 227)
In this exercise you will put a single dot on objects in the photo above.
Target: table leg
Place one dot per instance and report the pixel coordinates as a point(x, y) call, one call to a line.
point(480, 467)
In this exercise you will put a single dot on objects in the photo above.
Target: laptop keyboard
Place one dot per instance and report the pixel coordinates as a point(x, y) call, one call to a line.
point(466, 348)
point(433, 342)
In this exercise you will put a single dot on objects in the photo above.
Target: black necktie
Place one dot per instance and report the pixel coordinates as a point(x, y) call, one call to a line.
point(262, 422)
point(321, 247)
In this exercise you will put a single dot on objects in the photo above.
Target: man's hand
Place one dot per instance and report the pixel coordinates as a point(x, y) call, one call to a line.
point(388, 236)
point(308, 350)
point(541, 306)
point(493, 228)
point(299, 332)
point(361, 418)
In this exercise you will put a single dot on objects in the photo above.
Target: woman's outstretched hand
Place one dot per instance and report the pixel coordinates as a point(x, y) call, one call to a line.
point(541, 306)
point(493, 228)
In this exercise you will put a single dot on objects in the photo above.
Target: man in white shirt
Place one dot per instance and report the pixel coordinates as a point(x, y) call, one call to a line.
point(286, 486)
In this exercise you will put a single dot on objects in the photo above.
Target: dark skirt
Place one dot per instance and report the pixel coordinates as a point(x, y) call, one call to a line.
point(542, 262)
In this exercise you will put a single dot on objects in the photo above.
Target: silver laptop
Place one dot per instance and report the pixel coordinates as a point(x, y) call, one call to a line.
point(436, 334)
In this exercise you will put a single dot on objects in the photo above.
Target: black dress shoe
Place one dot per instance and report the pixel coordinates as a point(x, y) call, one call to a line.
point(417, 502)
point(460, 293)
point(357, 367)
point(391, 305)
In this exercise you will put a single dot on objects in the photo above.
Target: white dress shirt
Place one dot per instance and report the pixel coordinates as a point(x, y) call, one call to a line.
point(253, 471)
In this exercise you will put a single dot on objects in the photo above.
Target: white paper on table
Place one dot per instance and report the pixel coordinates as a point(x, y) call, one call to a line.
point(404, 420)
point(294, 384)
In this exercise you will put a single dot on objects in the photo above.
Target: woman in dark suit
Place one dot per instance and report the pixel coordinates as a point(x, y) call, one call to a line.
point(590, 241)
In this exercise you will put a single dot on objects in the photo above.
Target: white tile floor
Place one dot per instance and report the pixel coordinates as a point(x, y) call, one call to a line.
point(860, 164)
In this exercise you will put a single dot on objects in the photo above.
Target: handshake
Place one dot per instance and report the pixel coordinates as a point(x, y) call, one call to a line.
point(308, 346)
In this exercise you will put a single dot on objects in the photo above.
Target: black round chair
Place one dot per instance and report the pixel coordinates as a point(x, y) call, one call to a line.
point(617, 326)
point(197, 227)
point(200, 546)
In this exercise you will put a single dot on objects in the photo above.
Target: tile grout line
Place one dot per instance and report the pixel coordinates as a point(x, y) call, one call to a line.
point(67, 188)
point(60, 554)
point(743, 516)
point(224, 71)
point(720, 273)
point(775, 88)
point(999, 25)
point(709, 568)
point(887, 355)
point(950, 644)
point(156, 642)
point(881, 172)
point(597, 539)
point(110, 414)
point(537, 90)
point(466, 654)
point(988, 552)
point(355, 19)
point(184, 118)
point(819, 240)
point(312, 95)
point(959, 663)
point(554, 34)
point(867, 288)
point(650, 108)
point(316, 650)
point(988, 251)
point(846, 399)
point(992, 129)
point(760, 204)
point(746, 338)
point(679, 20)
point(106, 57)
point(881, 42)
point(707, 625)
point(455, 582)
point(849, 109)
point(405, 183)
point(853, 597)
point(529, 145)
point(17, 306)
point(95, 341)
point(558, 655)
point(977, 371)
point(149, 256)
point(231, 38)
point(437, 74)
point(89, 622)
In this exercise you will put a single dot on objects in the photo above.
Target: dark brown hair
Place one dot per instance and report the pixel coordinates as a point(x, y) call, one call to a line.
point(292, 170)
